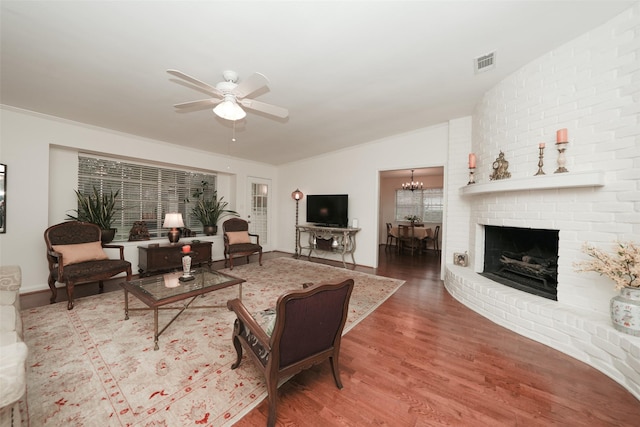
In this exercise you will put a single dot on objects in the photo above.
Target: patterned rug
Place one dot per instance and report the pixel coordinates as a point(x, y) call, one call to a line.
point(90, 367)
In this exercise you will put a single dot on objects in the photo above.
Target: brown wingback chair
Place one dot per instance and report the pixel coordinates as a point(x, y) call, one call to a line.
point(237, 241)
point(307, 330)
point(75, 255)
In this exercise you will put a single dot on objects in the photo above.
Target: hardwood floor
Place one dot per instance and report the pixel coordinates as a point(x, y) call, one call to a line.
point(423, 359)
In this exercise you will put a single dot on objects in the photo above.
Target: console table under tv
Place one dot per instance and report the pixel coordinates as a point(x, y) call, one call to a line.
point(328, 239)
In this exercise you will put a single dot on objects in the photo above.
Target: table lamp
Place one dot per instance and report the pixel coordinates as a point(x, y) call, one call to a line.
point(173, 220)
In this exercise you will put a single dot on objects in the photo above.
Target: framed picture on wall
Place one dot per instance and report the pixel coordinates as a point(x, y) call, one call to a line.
point(460, 259)
point(3, 198)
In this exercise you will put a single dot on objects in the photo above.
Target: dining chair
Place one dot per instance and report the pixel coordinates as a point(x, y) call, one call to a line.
point(390, 237)
point(433, 240)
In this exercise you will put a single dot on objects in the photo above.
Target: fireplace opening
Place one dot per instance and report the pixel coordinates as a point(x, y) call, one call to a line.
point(522, 258)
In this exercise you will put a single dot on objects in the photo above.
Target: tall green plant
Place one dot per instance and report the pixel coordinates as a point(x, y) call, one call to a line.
point(95, 208)
point(210, 210)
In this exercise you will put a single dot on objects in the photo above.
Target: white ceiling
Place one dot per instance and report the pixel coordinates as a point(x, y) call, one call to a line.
point(349, 72)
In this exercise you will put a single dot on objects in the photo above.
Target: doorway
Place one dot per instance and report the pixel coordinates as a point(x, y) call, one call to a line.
point(391, 182)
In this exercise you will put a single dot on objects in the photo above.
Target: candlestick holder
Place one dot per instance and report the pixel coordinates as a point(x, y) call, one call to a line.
point(540, 162)
point(472, 179)
point(562, 146)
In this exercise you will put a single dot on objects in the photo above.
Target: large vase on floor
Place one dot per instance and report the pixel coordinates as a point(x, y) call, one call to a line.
point(625, 311)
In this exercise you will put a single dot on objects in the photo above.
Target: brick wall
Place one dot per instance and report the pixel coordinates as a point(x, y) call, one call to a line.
point(591, 86)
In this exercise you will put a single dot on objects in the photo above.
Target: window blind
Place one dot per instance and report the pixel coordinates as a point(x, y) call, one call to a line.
point(146, 192)
point(427, 204)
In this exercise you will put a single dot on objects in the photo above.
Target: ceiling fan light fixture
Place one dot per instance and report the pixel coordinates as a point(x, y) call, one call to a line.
point(229, 110)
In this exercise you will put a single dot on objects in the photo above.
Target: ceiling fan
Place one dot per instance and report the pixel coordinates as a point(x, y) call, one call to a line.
point(227, 96)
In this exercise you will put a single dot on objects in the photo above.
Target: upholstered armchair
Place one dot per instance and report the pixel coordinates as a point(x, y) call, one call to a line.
point(75, 254)
point(304, 329)
point(238, 241)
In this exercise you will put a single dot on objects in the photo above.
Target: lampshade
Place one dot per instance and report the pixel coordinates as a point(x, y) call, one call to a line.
point(297, 195)
point(173, 220)
point(229, 110)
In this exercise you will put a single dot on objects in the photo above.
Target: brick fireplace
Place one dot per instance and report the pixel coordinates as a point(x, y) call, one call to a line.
point(596, 201)
point(522, 258)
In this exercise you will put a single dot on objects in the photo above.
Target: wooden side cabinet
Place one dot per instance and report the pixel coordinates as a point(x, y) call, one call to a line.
point(166, 257)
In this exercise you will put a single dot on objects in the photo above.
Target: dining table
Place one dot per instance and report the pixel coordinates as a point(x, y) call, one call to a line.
point(419, 233)
point(416, 234)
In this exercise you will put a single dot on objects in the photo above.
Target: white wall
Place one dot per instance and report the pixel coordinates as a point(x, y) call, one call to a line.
point(355, 171)
point(40, 153)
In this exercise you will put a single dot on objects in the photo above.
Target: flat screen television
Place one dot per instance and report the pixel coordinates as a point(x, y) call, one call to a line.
point(328, 210)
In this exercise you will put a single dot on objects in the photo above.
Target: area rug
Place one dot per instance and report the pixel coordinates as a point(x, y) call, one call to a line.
point(90, 367)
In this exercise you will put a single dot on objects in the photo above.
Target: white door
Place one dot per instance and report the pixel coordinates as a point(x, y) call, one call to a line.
point(259, 216)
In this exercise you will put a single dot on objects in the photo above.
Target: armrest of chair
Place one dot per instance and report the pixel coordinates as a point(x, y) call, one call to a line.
point(55, 258)
point(249, 322)
point(257, 238)
point(121, 247)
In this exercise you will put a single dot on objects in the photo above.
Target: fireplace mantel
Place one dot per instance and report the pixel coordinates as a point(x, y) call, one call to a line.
point(543, 182)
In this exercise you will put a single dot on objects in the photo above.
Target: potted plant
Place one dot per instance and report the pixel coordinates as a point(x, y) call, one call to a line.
point(210, 210)
point(97, 209)
point(623, 267)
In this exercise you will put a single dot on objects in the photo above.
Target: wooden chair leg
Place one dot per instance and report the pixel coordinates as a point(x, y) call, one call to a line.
point(272, 392)
point(54, 290)
point(237, 327)
point(260, 259)
point(335, 369)
point(70, 286)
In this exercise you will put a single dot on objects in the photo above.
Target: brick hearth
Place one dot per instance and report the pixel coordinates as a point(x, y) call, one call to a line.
point(585, 335)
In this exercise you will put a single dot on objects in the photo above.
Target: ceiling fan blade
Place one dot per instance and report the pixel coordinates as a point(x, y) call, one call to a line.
point(195, 82)
point(270, 109)
point(198, 105)
point(249, 85)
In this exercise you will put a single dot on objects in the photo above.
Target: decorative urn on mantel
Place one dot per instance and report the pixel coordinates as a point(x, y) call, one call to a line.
point(623, 267)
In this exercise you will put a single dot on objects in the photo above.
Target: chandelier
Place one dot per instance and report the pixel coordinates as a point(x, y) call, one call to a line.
point(412, 185)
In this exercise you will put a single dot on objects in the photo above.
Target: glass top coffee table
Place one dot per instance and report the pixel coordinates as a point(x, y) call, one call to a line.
point(163, 291)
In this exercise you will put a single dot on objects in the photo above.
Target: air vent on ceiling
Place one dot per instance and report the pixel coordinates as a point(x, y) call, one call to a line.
point(485, 62)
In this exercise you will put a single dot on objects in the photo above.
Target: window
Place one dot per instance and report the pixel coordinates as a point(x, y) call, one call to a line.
point(146, 193)
point(426, 204)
